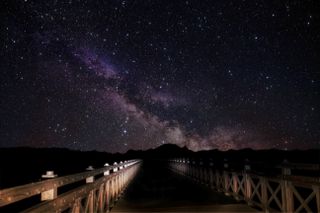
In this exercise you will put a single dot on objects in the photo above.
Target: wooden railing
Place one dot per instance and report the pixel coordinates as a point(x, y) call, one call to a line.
point(93, 196)
point(278, 193)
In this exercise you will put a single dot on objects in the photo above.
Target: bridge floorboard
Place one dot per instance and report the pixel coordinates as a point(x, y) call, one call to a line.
point(157, 189)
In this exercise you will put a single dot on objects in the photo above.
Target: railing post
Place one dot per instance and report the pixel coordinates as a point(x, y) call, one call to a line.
point(100, 199)
point(76, 206)
point(188, 168)
point(90, 199)
point(91, 178)
point(235, 186)
point(123, 184)
point(111, 189)
point(201, 171)
point(90, 207)
point(197, 172)
point(51, 193)
point(115, 183)
point(106, 172)
point(247, 183)
point(226, 177)
point(264, 193)
point(287, 194)
point(182, 166)
point(194, 176)
point(211, 178)
point(107, 195)
point(115, 169)
point(317, 190)
point(218, 180)
point(120, 177)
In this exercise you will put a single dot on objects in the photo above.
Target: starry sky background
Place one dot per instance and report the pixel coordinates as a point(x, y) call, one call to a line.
point(116, 75)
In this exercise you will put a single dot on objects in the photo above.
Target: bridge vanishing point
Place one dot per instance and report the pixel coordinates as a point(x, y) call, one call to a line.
point(176, 185)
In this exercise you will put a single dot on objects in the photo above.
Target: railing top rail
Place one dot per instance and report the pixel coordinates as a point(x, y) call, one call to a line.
point(300, 166)
point(304, 180)
point(66, 199)
point(293, 178)
point(14, 194)
point(284, 164)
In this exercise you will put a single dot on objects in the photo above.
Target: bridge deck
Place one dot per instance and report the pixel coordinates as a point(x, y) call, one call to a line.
point(156, 189)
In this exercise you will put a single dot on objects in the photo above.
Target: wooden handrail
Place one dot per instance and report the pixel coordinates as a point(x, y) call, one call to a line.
point(284, 164)
point(14, 194)
point(290, 193)
point(68, 199)
point(300, 166)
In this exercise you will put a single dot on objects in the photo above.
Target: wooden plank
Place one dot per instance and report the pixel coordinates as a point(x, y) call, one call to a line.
point(186, 208)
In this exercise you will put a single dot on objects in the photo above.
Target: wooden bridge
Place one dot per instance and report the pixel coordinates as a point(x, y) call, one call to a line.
point(177, 185)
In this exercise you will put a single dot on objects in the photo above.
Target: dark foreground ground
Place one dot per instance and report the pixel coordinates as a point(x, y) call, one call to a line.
point(157, 189)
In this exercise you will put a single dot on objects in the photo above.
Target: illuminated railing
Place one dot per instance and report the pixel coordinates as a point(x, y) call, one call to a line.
point(93, 196)
point(277, 193)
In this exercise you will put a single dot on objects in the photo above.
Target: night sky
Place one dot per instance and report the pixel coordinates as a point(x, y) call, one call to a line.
point(116, 75)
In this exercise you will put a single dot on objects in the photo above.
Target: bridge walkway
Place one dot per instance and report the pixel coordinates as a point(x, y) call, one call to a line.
point(157, 189)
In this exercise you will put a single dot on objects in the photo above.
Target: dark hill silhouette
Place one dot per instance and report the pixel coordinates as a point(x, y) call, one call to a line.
point(23, 165)
point(272, 155)
point(162, 152)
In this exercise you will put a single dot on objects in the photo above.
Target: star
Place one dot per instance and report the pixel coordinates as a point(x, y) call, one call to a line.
point(185, 73)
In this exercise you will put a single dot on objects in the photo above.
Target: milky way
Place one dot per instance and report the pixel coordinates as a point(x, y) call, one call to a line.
point(119, 75)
